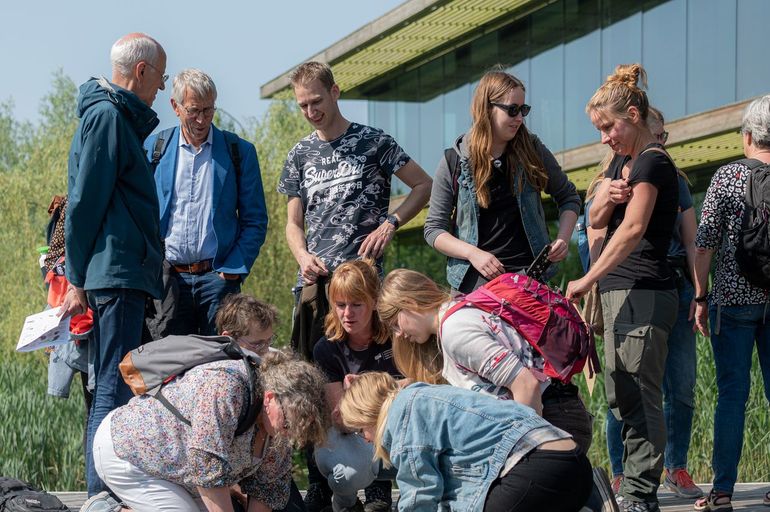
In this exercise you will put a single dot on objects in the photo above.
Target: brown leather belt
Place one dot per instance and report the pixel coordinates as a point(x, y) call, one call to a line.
point(199, 267)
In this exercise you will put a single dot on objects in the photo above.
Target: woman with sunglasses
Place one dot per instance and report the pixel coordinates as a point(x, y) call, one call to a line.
point(153, 461)
point(485, 210)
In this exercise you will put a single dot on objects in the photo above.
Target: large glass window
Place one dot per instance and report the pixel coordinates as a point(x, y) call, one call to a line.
point(752, 70)
point(664, 44)
point(698, 54)
point(710, 54)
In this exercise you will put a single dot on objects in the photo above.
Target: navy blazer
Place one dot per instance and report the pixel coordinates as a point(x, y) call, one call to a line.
point(239, 216)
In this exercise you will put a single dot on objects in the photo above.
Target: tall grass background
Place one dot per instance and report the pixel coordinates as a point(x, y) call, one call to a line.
point(41, 436)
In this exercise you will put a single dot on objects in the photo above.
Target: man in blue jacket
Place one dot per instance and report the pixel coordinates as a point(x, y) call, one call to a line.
point(112, 241)
point(212, 207)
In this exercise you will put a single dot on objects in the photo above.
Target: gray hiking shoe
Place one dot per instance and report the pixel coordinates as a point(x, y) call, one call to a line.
point(627, 505)
point(102, 502)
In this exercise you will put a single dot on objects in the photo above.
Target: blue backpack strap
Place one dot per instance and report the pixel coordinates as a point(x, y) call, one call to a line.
point(160, 146)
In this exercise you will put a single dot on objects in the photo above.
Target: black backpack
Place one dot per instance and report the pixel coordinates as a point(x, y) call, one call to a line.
point(231, 140)
point(752, 251)
point(18, 496)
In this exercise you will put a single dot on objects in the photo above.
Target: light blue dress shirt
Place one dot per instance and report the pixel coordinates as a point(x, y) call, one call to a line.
point(190, 236)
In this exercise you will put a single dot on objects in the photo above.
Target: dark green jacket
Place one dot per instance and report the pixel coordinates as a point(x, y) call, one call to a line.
point(112, 238)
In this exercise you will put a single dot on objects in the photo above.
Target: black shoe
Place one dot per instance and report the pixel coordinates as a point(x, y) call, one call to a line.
point(378, 496)
point(318, 497)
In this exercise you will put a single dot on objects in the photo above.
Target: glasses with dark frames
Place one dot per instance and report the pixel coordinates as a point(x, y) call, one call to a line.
point(662, 137)
point(513, 109)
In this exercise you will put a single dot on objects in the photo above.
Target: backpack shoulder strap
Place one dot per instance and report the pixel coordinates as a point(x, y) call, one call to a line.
point(160, 146)
point(231, 141)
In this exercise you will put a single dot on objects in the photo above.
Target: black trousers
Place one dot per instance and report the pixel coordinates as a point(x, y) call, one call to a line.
point(556, 481)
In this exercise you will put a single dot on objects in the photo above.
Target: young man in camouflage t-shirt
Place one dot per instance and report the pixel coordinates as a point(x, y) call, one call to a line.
point(338, 180)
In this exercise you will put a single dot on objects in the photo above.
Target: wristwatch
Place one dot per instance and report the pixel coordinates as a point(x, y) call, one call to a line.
point(393, 220)
point(702, 298)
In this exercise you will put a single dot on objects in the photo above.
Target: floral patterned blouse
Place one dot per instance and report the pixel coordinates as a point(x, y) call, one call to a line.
point(207, 453)
point(721, 220)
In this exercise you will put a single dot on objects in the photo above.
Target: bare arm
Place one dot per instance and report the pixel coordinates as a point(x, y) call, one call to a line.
point(560, 246)
point(701, 268)
point(420, 184)
point(310, 265)
point(258, 506)
point(595, 242)
point(623, 242)
point(216, 499)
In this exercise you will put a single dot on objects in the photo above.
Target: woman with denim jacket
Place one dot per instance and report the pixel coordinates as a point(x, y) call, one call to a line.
point(455, 449)
point(485, 209)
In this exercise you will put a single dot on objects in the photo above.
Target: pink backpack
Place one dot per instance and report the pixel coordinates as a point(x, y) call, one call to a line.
point(543, 317)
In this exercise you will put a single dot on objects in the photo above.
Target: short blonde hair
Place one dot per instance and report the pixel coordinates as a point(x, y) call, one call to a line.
point(366, 403)
point(355, 280)
point(408, 290)
point(311, 71)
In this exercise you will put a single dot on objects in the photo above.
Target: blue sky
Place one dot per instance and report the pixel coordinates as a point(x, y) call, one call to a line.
point(240, 44)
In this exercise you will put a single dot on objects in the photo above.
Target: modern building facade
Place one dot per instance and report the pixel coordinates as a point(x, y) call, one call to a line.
point(417, 66)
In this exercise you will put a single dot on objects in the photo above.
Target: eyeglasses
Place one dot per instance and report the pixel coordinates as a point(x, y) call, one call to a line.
point(662, 137)
point(195, 112)
point(513, 109)
point(163, 77)
point(258, 345)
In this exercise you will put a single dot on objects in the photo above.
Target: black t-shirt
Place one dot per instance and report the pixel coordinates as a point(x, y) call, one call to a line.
point(501, 231)
point(336, 359)
point(646, 268)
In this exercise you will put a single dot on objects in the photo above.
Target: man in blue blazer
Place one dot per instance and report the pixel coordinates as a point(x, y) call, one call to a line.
point(213, 217)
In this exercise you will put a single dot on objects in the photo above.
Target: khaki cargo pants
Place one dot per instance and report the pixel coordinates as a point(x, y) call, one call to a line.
point(636, 328)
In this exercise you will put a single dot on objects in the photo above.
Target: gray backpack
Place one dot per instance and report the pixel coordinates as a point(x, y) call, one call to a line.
point(148, 368)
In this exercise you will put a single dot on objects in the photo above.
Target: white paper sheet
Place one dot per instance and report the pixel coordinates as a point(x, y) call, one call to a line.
point(43, 330)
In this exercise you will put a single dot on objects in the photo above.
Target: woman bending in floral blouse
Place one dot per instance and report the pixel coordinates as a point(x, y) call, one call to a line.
point(153, 461)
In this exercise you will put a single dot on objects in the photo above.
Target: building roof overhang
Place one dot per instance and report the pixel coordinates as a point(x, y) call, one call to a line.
point(415, 32)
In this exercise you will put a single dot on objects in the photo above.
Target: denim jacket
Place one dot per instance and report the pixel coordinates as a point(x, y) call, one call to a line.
point(449, 444)
point(466, 225)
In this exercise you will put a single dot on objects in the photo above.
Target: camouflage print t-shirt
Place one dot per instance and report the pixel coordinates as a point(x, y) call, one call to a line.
point(344, 185)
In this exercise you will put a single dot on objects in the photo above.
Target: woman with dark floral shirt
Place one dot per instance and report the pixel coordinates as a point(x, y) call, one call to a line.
point(739, 313)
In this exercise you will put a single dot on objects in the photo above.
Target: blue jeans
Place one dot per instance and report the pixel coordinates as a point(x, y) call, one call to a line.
point(740, 327)
point(118, 320)
point(198, 301)
point(678, 392)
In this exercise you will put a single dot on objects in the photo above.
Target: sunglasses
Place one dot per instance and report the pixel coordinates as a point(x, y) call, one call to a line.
point(513, 109)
